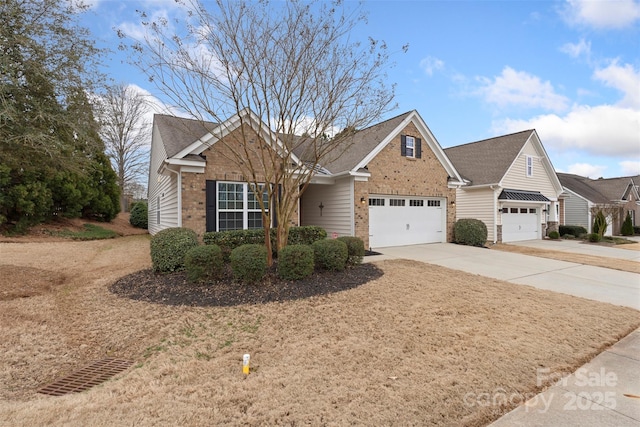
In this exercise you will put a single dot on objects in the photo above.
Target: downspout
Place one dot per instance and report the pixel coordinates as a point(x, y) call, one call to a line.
point(495, 215)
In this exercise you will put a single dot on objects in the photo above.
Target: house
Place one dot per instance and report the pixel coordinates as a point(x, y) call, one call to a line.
point(392, 186)
point(585, 196)
point(511, 186)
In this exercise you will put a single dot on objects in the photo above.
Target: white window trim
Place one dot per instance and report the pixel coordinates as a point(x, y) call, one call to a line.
point(412, 147)
point(245, 203)
point(528, 166)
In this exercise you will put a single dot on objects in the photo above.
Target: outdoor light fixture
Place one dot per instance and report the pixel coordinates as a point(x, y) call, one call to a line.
point(362, 200)
point(453, 202)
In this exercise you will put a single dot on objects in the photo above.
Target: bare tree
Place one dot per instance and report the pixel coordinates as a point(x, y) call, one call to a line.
point(125, 132)
point(611, 213)
point(293, 65)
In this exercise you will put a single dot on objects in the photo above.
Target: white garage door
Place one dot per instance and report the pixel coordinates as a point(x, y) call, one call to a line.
point(398, 221)
point(520, 223)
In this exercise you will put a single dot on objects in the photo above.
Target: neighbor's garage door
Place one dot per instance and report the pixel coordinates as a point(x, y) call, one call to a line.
point(520, 223)
point(397, 221)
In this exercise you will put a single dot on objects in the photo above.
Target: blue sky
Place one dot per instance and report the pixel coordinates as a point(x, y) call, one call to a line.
point(478, 69)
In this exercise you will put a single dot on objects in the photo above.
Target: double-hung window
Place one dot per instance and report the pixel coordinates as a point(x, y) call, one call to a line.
point(238, 208)
point(411, 146)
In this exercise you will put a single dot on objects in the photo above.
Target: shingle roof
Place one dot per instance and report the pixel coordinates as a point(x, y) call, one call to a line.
point(528, 196)
point(178, 133)
point(603, 190)
point(487, 161)
point(363, 143)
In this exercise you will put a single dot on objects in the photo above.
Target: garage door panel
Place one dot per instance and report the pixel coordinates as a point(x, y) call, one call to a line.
point(518, 226)
point(410, 221)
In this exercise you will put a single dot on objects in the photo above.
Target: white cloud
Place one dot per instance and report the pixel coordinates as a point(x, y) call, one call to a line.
point(603, 130)
point(630, 167)
point(519, 88)
point(611, 14)
point(624, 78)
point(586, 169)
point(431, 64)
point(575, 50)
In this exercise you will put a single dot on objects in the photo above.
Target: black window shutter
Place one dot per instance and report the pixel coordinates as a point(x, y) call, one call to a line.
point(403, 145)
point(418, 148)
point(211, 194)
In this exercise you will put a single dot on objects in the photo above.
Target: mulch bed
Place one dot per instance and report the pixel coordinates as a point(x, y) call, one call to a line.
point(175, 289)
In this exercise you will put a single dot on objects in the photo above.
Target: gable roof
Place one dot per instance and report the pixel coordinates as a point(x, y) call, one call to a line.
point(364, 142)
point(178, 133)
point(603, 190)
point(487, 161)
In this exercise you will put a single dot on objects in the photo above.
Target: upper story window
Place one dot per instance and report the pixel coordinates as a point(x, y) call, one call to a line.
point(529, 165)
point(410, 147)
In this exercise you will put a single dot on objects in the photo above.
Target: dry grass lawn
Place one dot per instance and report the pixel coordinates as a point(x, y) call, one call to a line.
point(418, 346)
point(596, 261)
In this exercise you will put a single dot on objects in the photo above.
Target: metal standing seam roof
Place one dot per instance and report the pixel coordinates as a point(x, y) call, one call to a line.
point(521, 195)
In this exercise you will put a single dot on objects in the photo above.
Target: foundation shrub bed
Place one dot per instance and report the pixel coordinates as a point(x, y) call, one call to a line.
point(331, 254)
point(470, 231)
point(306, 235)
point(295, 262)
point(249, 263)
point(355, 249)
point(204, 263)
point(594, 237)
point(574, 230)
point(169, 247)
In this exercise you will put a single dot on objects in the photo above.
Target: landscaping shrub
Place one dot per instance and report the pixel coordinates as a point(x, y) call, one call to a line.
point(249, 263)
point(574, 230)
point(229, 240)
point(203, 263)
point(355, 249)
point(627, 226)
point(568, 236)
point(594, 237)
point(331, 254)
point(554, 235)
point(600, 224)
point(295, 262)
point(306, 235)
point(169, 246)
point(139, 215)
point(469, 231)
point(636, 230)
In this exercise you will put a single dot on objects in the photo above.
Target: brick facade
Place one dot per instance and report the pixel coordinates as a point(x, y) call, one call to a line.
point(220, 166)
point(392, 174)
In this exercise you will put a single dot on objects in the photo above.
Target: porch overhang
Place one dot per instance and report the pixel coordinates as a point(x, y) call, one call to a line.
point(522, 196)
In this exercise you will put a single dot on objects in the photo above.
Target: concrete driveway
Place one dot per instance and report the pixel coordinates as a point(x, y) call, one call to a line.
point(595, 283)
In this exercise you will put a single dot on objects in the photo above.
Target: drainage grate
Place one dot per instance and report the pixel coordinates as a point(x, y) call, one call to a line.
point(85, 378)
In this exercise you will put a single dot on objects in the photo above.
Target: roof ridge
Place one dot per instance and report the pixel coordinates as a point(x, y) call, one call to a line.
point(385, 121)
point(489, 139)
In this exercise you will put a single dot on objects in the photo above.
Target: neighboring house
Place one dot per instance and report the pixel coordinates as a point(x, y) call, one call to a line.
point(393, 185)
point(512, 186)
point(585, 196)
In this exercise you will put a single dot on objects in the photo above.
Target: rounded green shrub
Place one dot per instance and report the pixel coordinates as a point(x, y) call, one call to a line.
point(169, 246)
point(331, 254)
point(554, 235)
point(139, 215)
point(249, 263)
point(295, 262)
point(355, 249)
point(469, 231)
point(594, 237)
point(574, 230)
point(203, 263)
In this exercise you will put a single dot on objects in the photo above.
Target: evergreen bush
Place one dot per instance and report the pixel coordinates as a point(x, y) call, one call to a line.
point(169, 246)
point(594, 237)
point(249, 263)
point(627, 226)
point(469, 231)
point(600, 224)
point(139, 215)
point(554, 235)
point(295, 262)
point(306, 235)
point(355, 249)
point(331, 254)
point(204, 263)
point(574, 230)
